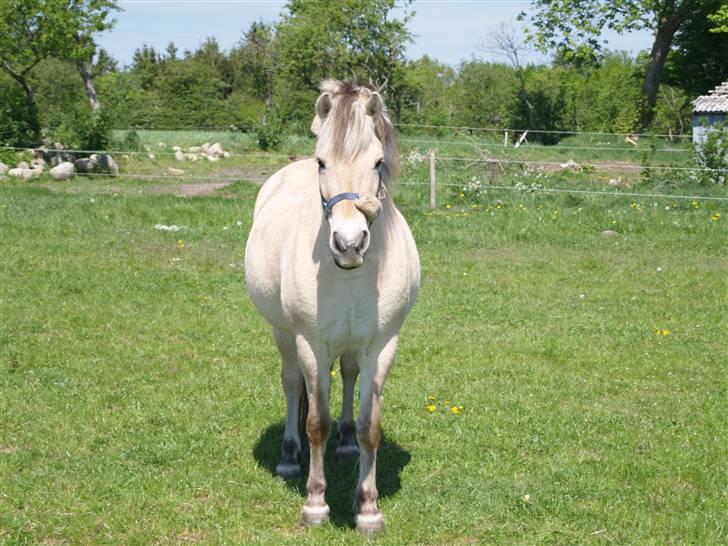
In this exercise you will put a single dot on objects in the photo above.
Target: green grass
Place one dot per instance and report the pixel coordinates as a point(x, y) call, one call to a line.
point(140, 399)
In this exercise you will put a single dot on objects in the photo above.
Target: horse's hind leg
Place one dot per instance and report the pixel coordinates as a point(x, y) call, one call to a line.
point(374, 368)
point(346, 431)
point(293, 387)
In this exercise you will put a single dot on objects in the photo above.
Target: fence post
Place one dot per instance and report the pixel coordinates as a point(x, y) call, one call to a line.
point(505, 140)
point(433, 180)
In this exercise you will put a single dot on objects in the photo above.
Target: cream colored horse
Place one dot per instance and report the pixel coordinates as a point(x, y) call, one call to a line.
point(332, 265)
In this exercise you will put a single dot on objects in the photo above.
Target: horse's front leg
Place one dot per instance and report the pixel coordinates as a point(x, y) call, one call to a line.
point(373, 368)
point(316, 365)
point(346, 430)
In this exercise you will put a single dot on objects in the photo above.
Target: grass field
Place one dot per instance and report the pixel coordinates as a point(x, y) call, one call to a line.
point(140, 400)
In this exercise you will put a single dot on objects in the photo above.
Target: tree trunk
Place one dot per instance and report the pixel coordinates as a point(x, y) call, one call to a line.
point(660, 48)
point(84, 69)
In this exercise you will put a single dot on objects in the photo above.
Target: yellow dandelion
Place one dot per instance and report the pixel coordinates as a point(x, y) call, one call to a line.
point(662, 332)
point(333, 373)
point(431, 408)
point(456, 409)
point(431, 397)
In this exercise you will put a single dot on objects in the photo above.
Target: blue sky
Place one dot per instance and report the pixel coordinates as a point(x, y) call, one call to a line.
point(447, 30)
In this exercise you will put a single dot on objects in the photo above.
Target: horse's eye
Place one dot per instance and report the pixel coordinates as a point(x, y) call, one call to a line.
point(321, 164)
point(379, 165)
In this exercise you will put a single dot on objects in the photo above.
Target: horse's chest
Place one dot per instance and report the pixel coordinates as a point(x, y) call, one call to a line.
point(353, 320)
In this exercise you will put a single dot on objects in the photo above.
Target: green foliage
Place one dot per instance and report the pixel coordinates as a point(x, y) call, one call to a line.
point(673, 111)
point(15, 129)
point(719, 19)
point(269, 133)
point(485, 95)
point(699, 60)
point(83, 130)
point(318, 39)
point(190, 95)
point(254, 61)
point(130, 142)
point(607, 98)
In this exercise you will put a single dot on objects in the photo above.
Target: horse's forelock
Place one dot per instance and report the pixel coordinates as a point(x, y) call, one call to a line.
point(348, 129)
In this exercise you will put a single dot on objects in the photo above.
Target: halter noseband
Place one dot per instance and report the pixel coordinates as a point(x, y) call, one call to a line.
point(328, 205)
point(347, 195)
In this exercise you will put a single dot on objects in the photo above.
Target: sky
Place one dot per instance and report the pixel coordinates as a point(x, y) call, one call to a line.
point(450, 31)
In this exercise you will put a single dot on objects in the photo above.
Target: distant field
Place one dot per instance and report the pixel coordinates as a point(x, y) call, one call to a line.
point(139, 390)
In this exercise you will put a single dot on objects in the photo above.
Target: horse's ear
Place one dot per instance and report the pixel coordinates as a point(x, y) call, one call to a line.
point(323, 106)
point(375, 105)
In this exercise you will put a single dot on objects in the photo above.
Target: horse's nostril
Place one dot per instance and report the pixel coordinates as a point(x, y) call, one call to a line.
point(338, 243)
point(363, 241)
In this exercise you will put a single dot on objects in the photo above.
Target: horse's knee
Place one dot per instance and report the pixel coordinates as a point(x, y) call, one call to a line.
point(317, 428)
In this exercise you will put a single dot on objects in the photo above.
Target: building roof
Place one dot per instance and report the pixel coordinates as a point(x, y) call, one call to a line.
point(715, 102)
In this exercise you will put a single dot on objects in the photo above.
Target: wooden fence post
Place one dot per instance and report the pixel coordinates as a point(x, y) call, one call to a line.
point(505, 140)
point(433, 181)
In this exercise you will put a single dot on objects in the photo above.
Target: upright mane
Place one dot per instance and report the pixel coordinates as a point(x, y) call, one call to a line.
point(348, 129)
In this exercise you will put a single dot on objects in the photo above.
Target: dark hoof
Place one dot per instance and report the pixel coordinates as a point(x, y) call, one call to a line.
point(288, 471)
point(290, 465)
point(348, 450)
point(346, 445)
point(315, 516)
point(370, 524)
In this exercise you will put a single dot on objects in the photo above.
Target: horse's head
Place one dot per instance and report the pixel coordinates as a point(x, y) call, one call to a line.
point(355, 155)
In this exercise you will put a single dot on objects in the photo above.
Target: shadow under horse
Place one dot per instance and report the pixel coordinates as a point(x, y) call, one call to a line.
point(341, 472)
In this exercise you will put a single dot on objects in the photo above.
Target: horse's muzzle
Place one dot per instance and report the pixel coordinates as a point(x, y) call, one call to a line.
point(349, 251)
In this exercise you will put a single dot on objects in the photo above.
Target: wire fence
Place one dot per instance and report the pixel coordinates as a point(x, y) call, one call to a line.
point(531, 189)
point(495, 160)
point(484, 157)
point(460, 128)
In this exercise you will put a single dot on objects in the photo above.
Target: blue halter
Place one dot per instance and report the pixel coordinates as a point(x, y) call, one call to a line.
point(347, 195)
point(328, 205)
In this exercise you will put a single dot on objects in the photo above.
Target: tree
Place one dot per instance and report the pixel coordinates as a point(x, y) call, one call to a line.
point(699, 60)
point(171, 51)
point(105, 63)
point(255, 60)
point(505, 41)
point(574, 26)
point(33, 30)
point(85, 18)
point(355, 39)
point(146, 64)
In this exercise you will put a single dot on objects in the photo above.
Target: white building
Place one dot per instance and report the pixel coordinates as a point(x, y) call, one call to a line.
point(708, 111)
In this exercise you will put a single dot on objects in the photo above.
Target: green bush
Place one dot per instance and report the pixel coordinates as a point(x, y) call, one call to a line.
point(130, 142)
point(269, 133)
point(14, 127)
point(81, 129)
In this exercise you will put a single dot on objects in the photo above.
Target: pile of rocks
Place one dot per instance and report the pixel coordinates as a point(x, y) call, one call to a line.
point(210, 152)
point(24, 170)
point(63, 165)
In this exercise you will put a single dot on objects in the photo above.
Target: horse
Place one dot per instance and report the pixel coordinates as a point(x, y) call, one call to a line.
point(332, 265)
